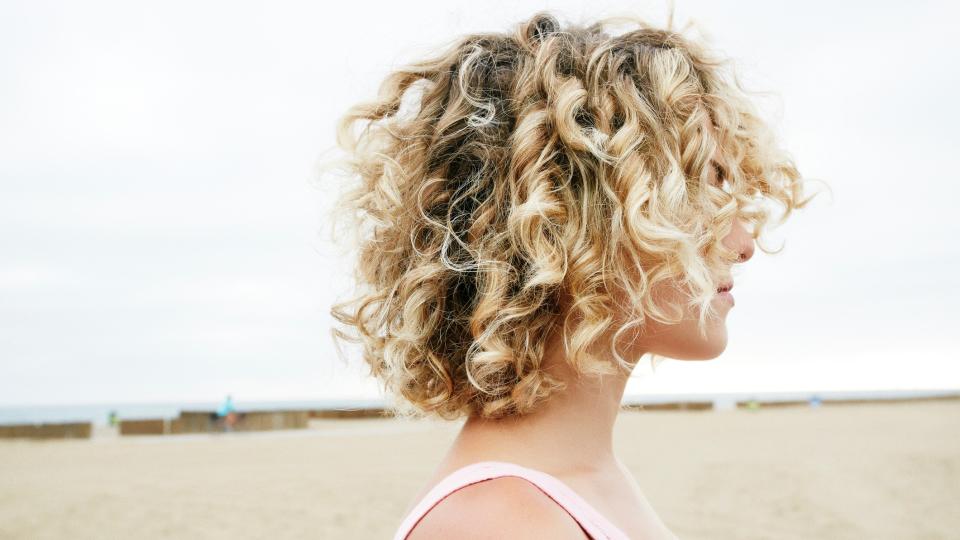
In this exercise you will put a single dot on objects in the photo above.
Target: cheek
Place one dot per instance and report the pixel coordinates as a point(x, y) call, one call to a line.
point(682, 341)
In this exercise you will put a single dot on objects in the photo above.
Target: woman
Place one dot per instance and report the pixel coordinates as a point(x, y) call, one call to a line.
point(539, 209)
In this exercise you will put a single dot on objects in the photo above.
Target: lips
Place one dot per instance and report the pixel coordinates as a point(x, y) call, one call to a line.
point(725, 287)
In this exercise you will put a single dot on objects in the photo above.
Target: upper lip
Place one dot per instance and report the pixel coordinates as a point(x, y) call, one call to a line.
point(726, 286)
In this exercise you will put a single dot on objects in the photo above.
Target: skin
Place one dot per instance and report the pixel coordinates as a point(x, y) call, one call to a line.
point(571, 436)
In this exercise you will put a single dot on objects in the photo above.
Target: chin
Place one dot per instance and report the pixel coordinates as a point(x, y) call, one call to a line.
point(703, 355)
point(696, 348)
point(716, 351)
point(715, 347)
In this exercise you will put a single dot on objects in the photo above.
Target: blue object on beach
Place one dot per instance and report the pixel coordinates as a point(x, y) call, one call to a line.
point(227, 407)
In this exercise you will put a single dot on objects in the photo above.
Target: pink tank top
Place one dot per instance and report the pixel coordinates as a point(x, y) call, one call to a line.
point(597, 526)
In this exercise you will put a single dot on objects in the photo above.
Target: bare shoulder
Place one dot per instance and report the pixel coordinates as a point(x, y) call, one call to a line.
point(505, 507)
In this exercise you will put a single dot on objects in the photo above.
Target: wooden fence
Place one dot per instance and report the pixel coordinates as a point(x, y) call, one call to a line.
point(73, 430)
point(209, 422)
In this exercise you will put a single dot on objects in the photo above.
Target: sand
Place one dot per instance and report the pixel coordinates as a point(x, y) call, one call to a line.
point(841, 471)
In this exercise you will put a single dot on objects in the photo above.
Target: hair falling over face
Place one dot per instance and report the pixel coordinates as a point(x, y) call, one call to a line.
point(513, 168)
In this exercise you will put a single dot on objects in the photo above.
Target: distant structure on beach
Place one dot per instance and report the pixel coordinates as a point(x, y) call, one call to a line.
point(78, 421)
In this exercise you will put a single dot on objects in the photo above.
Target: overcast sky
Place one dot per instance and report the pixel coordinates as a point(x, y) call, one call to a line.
point(163, 233)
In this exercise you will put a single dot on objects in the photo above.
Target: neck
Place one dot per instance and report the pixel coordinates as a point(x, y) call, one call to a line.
point(572, 432)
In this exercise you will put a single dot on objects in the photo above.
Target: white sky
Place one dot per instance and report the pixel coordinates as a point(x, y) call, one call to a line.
point(160, 237)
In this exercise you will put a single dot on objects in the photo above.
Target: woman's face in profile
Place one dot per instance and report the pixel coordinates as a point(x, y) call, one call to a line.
point(682, 341)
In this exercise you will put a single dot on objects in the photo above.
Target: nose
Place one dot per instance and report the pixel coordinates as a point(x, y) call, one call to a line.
point(740, 241)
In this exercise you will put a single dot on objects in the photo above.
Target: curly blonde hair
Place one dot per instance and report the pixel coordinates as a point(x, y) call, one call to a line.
point(514, 168)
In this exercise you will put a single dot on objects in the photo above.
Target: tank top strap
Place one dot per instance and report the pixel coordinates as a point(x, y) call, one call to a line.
point(592, 521)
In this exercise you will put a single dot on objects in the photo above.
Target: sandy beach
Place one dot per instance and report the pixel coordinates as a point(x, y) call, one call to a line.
point(889, 470)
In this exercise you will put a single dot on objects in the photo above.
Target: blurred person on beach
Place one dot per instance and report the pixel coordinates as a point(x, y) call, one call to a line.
point(227, 413)
point(559, 201)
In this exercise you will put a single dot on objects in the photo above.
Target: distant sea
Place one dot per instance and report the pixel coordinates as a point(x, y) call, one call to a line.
point(98, 413)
